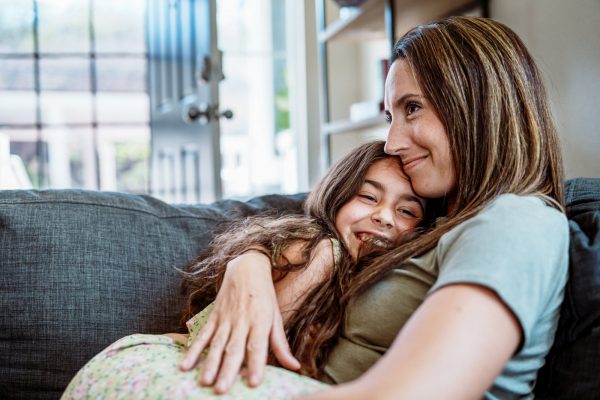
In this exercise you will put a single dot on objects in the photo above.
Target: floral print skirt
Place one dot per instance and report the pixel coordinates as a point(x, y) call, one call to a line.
point(147, 367)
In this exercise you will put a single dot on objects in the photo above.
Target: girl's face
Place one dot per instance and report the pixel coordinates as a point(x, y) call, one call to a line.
point(384, 208)
point(417, 135)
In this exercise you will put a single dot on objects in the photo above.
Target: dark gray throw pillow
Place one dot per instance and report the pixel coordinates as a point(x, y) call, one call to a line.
point(572, 369)
point(80, 269)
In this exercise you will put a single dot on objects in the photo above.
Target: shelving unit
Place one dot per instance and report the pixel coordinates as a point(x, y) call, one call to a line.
point(342, 126)
point(360, 23)
point(351, 32)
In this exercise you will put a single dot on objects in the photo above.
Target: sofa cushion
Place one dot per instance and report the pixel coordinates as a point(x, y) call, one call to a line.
point(80, 269)
point(572, 369)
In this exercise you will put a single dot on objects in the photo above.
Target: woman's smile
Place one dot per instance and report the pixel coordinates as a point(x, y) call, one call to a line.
point(412, 163)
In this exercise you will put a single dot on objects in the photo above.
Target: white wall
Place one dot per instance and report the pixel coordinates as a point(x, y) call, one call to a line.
point(564, 38)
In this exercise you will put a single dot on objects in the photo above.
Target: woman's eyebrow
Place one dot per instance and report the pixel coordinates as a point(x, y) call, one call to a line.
point(403, 99)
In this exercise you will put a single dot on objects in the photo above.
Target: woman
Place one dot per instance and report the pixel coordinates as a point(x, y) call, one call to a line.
point(469, 120)
point(362, 207)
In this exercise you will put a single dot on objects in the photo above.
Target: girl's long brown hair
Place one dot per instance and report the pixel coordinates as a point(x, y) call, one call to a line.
point(489, 95)
point(314, 327)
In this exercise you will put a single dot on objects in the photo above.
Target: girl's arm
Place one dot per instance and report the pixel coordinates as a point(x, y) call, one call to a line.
point(292, 289)
point(246, 318)
point(453, 347)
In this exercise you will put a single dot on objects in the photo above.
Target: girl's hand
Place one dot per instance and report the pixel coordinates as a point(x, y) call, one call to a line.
point(244, 321)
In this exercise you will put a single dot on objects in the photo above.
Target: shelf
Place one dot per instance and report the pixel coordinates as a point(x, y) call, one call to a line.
point(366, 22)
point(363, 23)
point(348, 126)
point(416, 13)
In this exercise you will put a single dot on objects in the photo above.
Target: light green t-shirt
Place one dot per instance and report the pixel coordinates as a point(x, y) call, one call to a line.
point(517, 246)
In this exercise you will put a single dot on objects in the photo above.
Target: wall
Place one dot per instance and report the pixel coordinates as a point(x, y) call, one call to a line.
point(563, 36)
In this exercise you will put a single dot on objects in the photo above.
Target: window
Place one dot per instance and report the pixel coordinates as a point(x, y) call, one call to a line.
point(73, 92)
point(74, 101)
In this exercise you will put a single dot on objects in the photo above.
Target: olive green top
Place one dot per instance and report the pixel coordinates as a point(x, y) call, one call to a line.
point(387, 305)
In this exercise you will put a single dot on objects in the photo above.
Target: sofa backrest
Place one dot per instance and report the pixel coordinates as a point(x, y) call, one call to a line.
point(80, 269)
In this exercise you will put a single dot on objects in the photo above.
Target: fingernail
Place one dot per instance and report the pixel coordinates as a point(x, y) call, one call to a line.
point(184, 365)
point(253, 380)
point(220, 386)
point(208, 376)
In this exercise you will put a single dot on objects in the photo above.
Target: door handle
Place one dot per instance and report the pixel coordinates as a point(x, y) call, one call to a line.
point(203, 113)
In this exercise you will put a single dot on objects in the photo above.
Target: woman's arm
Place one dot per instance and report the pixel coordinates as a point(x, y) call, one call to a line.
point(453, 347)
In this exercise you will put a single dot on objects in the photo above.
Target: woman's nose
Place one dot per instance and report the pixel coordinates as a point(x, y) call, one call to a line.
point(396, 140)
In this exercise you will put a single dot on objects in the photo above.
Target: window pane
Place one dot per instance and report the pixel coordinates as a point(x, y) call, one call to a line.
point(17, 107)
point(121, 74)
point(258, 148)
point(65, 74)
point(23, 142)
point(66, 107)
point(124, 153)
point(70, 158)
point(63, 26)
point(16, 74)
point(119, 26)
point(123, 107)
point(16, 26)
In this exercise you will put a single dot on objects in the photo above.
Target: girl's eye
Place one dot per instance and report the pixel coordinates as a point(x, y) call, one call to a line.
point(412, 108)
point(367, 197)
point(407, 212)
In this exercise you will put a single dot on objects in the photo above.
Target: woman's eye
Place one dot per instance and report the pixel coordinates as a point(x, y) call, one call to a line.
point(388, 117)
point(412, 108)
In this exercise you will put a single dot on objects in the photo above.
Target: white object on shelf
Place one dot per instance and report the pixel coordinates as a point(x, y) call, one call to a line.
point(364, 110)
point(12, 170)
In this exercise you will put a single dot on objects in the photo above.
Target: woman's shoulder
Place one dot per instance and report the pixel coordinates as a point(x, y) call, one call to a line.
point(523, 212)
point(509, 222)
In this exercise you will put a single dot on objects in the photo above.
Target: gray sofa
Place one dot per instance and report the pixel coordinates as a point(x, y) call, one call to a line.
point(80, 269)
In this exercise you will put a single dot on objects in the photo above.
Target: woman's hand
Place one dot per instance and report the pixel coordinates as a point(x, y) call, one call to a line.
point(244, 321)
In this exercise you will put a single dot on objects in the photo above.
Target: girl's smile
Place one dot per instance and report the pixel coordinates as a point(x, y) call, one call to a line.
point(384, 208)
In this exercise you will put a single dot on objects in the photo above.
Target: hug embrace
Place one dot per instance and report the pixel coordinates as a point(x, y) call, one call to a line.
point(429, 266)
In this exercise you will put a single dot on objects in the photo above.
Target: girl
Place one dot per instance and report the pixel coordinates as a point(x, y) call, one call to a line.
point(469, 120)
point(362, 207)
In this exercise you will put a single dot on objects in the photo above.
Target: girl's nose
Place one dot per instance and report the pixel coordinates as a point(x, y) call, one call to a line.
point(383, 217)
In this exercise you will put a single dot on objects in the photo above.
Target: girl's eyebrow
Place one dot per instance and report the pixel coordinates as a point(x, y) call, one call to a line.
point(405, 197)
point(375, 184)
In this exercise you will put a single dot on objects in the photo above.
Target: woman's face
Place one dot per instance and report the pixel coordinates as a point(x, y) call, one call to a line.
point(417, 135)
point(384, 208)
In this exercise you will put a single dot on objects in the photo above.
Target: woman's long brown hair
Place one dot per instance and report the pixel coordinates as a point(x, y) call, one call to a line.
point(313, 328)
point(489, 95)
